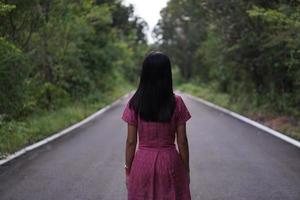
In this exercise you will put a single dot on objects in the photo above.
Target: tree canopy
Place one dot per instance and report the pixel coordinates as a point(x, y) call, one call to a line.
point(249, 49)
point(56, 51)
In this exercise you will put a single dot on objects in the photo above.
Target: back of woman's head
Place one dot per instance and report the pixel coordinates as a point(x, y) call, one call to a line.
point(154, 99)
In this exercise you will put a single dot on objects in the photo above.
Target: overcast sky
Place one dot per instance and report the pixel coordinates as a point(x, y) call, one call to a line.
point(149, 11)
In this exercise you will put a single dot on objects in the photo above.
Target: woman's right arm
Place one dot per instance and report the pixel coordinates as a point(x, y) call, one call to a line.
point(183, 145)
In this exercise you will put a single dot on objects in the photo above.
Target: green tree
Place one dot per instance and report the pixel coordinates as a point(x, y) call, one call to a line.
point(180, 32)
point(72, 48)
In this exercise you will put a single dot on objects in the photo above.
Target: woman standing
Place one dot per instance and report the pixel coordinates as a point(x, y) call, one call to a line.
point(156, 171)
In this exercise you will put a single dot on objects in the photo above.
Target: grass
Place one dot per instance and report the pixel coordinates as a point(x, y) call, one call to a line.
point(17, 134)
point(285, 124)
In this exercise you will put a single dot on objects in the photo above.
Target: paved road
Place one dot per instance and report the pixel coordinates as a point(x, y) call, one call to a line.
point(230, 160)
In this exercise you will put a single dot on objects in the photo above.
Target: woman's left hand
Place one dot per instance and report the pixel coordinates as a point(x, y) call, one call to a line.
point(127, 177)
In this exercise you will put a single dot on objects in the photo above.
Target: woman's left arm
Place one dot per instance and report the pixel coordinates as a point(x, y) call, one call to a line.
point(130, 146)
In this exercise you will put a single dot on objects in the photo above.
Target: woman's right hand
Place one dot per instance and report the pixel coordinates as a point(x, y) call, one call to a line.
point(126, 177)
point(126, 181)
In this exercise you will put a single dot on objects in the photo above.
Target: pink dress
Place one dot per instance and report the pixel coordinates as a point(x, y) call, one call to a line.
point(157, 171)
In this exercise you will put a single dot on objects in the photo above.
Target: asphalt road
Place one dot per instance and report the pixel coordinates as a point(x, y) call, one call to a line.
point(229, 160)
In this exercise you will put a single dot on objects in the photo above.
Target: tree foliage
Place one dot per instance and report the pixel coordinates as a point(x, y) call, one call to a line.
point(249, 48)
point(57, 51)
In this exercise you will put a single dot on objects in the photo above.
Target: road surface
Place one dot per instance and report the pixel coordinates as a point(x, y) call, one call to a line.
point(229, 160)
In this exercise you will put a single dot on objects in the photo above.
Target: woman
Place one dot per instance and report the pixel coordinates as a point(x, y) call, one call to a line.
point(156, 171)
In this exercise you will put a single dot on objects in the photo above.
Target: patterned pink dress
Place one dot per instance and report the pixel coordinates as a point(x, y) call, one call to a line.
point(157, 171)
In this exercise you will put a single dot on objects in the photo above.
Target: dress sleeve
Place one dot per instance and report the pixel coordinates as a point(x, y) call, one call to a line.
point(129, 115)
point(183, 113)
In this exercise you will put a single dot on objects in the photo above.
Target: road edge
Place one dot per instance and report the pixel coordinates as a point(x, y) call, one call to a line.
point(64, 131)
point(245, 119)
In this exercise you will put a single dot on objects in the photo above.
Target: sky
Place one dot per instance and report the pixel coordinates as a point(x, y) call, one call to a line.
point(149, 11)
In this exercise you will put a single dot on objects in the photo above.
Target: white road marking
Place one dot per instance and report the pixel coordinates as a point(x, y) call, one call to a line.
point(63, 132)
point(246, 120)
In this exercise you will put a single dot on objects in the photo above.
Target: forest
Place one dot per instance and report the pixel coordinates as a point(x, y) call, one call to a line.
point(243, 55)
point(61, 60)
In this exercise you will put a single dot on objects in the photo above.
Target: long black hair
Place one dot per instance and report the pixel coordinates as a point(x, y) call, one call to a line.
point(154, 99)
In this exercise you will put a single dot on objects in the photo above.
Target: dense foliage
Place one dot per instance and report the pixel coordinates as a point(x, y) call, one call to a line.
point(62, 60)
point(249, 49)
point(53, 52)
